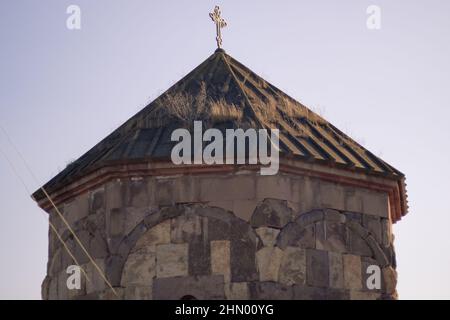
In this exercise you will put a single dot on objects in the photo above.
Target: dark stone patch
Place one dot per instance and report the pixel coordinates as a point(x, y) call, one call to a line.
point(297, 236)
point(269, 291)
point(271, 213)
point(310, 217)
point(113, 269)
point(373, 224)
point(357, 245)
point(199, 287)
point(317, 268)
point(331, 236)
point(315, 293)
point(243, 260)
point(199, 257)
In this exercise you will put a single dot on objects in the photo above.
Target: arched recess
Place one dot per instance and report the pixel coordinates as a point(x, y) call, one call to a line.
point(200, 247)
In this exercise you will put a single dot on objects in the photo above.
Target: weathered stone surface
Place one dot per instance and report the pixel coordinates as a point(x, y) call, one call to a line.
point(269, 291)
point(140, 268)
point(375, 203)
point(116, 222)
point(53, 288)
point(332, 195)
point(109, 294)
point(315, 293)
point(268, 236)
point(114, 194)
point(269, 260)
point(352, 271)
point(186, 228)
point(364, 295)
point(244, 208)
point(386, 232)
point(317, 268)
point(199, 256)
point(163, 191)
point(332, 215)
point(276, 186)
point(97, 200)
point(293, 234)
point(237, 291)
point(231, 188)
point(200, 287)
point(138, 292)
point(352, 200)
point(77, 209)
point(331, 236)
point(137, 192)
point(171, 260)
point(377, 252)
point(390, 280)
point(358, 245)
point(159, 234)
point(113, 265)
point(373, 225)
point(220, 258)
point(293, 266)
point(336, 270)
point(272, 213)
point(96, 283)
point(310, 217)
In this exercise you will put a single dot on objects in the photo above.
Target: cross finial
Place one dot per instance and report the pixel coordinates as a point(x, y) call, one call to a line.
point(220, 23)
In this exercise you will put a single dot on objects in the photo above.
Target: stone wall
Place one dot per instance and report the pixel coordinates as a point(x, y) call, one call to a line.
point(240, 236)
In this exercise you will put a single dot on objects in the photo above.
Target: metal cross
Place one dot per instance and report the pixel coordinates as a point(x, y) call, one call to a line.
point(220, 23)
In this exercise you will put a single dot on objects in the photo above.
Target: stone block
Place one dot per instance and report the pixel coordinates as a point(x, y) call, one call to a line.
point(138, 292)
point(315, 293)
point(269, 260)
point(310, 217)
point(114, 194)
point(373, 225)
point(116, 222)
point(293, 234)
point(229, 188)
point(386, 232)
point(293, 266)
point(269, 291)
point(171, 260)
point(163, 192)
point(364, 295)
point(352, 272)
point(331, 236)
point(267, 235)
point(109, 294)
point(237, 291)
point(199, 287)
point(137, 192)
point(332, 196)
point(357, 245)
point(272, 213)
point(220, 259)
point(186, 228)
point(134, 216)
point(352, 200)
point(140, 268)
point(77, 209)
point(336, 270)
point(275, 187)
point(96, 283)
point(390, 280)
point(317, 268)
point(375, 203)
point(243, 266)
point(159, 234)
point(97, 200)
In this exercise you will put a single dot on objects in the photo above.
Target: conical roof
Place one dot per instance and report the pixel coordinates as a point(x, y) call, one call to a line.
point(226, 94)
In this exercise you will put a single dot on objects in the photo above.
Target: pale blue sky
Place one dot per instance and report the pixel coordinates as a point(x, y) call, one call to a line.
point(62, 91)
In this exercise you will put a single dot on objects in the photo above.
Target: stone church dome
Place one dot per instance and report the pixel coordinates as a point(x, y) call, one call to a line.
point(157, 230)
